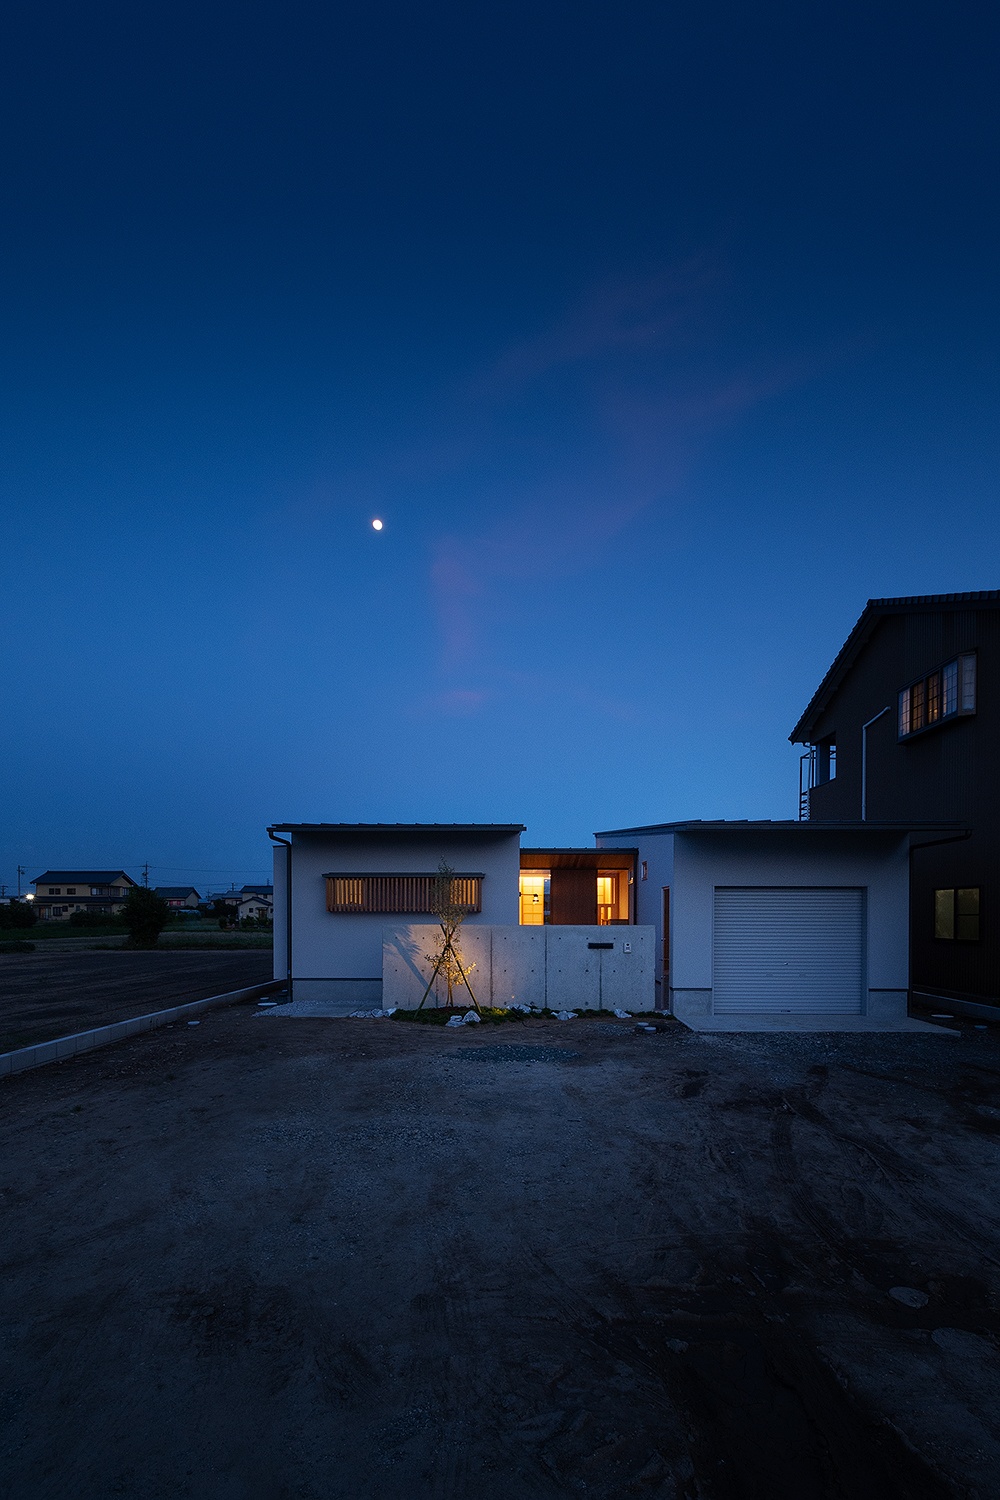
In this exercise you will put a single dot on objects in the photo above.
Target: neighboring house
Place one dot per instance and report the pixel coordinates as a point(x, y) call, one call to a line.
point(178, 896)
point(905, 727)
point(257, 890)
point(59, 893)
point(259, 908)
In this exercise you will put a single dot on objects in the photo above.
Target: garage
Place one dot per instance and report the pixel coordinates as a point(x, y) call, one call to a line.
point(796, 926)
point(789, 950)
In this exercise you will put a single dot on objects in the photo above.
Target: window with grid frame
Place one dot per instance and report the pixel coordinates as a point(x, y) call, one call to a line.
point(957, 913)
point(947, 693)
point(409, 895)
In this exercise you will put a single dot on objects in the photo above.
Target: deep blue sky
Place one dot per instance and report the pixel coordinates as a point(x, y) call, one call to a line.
point(660, 336)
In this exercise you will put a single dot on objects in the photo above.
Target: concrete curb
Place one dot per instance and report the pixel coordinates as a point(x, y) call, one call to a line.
point(62, 1047)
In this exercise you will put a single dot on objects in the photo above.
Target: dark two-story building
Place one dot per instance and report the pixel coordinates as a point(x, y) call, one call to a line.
point(905, 728)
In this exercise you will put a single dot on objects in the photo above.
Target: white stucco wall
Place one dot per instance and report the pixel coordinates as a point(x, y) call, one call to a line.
point(339, 957)
point(657, 850)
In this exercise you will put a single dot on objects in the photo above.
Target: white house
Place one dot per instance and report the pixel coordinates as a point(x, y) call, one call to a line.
point(727, 924)
point(796, 922)
point(338, 886)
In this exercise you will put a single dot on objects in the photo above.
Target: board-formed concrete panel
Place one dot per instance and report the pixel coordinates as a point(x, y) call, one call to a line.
point(563, 968)
point(519, 966)
point(628, 969)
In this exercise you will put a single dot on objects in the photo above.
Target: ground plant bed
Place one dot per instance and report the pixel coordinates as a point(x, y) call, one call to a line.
point(350, 1260)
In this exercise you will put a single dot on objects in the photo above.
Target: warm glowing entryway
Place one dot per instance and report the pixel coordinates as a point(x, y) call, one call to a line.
point(577, 887)
point(535, 886)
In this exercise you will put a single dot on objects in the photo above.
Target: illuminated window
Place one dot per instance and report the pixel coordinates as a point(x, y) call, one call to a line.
point(945, 694)
point(956, 914)
point(399, 893)
point(612, 897)
point(535, 887)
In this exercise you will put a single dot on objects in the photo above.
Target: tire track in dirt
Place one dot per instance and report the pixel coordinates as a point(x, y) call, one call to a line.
point(910, 1185)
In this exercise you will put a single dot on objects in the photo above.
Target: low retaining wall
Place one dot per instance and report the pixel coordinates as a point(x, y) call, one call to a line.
point(62, 1047)
point(564, 968)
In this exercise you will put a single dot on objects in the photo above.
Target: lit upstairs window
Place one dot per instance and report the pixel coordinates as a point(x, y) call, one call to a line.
point(948, 693)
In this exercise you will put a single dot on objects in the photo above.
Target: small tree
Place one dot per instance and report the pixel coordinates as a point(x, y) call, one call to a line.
point(145, 915)
point(18, 914)
point(447, 956)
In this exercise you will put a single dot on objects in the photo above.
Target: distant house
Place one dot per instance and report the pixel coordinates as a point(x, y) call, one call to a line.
point(178, 896)
point(256, 907)
point(59, 893)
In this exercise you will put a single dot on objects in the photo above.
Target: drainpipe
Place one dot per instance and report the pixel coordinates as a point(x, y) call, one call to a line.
point(287, 844)
point(864, 761)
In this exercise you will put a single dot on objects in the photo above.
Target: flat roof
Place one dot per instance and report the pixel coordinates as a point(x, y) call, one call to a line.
point(415, 828)
point(786, 825)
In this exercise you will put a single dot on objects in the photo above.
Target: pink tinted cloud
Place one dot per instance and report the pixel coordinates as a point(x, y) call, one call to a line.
point(624, 316)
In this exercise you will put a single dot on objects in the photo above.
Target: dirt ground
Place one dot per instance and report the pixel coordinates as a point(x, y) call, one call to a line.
point(44, 995)
point(365, 1260)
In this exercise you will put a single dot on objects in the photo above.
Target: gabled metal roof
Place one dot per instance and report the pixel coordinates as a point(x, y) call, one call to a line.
point(781, 825)
point(871, 616)
point(82, 877)
point(363, 829)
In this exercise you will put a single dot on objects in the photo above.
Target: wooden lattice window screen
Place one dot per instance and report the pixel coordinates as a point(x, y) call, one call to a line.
point(398, 893)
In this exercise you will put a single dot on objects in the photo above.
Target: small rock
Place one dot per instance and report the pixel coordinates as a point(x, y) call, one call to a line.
point(981, 1026)
point(677, 1345)
point(194, 1023)
point(909, 1296)
point(959, 1341)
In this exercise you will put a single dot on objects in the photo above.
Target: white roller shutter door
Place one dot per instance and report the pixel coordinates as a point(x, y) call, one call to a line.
point(797, 949)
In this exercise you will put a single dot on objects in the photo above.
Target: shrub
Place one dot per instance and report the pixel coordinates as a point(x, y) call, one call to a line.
point(17, 947)
point(16, 914)
point(145, 915)
point(92, 919)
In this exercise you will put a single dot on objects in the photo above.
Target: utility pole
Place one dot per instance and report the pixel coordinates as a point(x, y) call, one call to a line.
point(145, 874)
point(3, 892)
point(20, 871)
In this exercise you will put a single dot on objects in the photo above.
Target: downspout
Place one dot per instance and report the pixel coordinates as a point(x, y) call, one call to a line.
point(287, 844)
point(864, 760)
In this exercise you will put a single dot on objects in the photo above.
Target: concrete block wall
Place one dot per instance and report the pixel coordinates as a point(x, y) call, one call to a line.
point(543, 966)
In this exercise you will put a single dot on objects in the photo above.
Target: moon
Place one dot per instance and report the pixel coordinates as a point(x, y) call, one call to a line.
point(376, 525)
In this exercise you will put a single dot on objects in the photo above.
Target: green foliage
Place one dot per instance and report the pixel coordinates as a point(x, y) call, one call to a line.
point(99, 920)
point(17, 914)
point(145, 916)
point(17, 946)
point(446, 959)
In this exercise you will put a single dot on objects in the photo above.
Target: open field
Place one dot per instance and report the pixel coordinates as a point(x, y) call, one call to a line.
point(64, 937)
point(356, 1260)
point(48, 994)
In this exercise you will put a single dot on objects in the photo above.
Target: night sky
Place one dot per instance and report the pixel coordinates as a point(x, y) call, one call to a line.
point(659, 336)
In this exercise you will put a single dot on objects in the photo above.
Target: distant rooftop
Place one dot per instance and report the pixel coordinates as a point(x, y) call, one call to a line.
point(81, 877)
